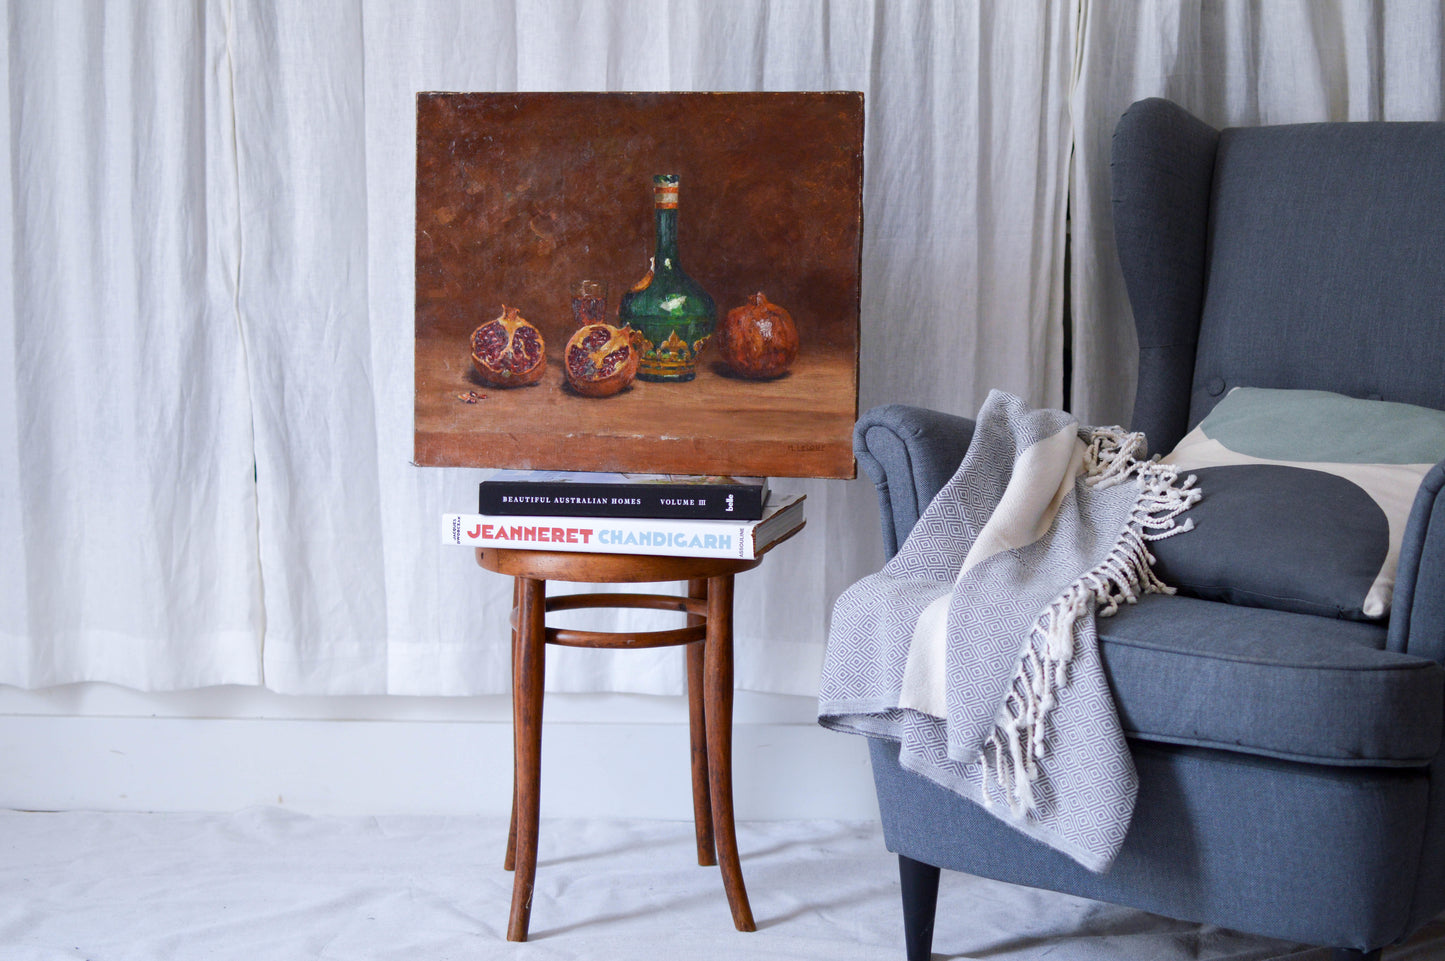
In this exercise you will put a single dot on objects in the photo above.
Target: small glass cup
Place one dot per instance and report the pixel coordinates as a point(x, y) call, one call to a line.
point(589, 302)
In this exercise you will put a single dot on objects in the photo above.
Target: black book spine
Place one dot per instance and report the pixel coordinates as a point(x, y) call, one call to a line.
point(695, 502)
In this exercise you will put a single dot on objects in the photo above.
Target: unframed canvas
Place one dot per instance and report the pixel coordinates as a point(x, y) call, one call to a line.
point(521, 195)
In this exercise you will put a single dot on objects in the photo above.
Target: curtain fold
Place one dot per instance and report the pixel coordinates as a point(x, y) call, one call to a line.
point(300, 130)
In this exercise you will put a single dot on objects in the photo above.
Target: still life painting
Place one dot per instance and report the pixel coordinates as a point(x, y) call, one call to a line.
point(649, 282)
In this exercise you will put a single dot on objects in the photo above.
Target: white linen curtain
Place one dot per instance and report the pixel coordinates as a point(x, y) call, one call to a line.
point(204, 456)
point(205, 354)
point(1232, 63)
point(127, 501)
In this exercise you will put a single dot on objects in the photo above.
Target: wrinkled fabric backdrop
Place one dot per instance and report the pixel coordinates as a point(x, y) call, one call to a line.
point(206, 332)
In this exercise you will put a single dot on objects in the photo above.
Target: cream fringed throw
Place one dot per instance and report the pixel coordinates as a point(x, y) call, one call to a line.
point(975, 647)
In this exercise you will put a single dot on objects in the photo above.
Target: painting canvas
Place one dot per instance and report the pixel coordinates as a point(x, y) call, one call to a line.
point(523, 197)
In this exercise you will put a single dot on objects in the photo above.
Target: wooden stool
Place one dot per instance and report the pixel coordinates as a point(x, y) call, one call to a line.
point(709, 639)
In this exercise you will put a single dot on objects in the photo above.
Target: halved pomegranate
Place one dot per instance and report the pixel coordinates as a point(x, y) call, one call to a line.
point(509, 351)
point(601, 359)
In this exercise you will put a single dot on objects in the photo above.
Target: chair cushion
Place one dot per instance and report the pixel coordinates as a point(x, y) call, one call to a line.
point(1248, 679)
point(1306, 495)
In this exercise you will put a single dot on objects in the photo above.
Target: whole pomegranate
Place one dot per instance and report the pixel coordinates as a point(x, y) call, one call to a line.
point(509, 351)
point(601, 359)
point(758, 340)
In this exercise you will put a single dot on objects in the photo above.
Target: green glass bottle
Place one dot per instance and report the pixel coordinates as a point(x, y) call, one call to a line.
point(671, 311)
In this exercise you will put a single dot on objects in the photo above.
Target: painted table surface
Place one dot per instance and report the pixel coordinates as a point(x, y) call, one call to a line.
point(769, 427)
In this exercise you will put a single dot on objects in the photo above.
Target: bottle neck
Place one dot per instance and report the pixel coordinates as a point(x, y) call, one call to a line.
point(665, 256)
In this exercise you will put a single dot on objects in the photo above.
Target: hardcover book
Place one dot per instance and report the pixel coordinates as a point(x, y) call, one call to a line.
point(592, 494)
point(629, 535)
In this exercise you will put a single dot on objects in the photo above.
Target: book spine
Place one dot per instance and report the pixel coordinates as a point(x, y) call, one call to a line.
point(676, 538)
point(620, 500)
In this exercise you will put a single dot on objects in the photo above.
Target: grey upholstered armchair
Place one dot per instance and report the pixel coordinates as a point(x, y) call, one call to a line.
point(1292, 781)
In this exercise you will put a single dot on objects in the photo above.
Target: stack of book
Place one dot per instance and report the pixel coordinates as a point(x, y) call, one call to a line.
point(678, 515)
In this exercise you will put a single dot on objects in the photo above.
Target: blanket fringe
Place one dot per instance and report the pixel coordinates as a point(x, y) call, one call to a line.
point(1012, 752)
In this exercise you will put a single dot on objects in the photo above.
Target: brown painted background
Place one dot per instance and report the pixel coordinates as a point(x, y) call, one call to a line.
point(519, 195)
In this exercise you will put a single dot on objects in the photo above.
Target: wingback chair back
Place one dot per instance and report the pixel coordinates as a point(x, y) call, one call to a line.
point(1298, 256)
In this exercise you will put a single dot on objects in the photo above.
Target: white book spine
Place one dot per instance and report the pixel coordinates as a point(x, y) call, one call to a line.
point(677, 538)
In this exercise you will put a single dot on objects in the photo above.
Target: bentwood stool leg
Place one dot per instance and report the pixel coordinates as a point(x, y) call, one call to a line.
point(718, 707)
point(697, 725)
point(527, 675)
point(509, 862)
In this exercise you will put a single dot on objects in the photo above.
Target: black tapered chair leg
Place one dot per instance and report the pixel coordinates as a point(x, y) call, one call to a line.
point(920, 902)
point(920, 905)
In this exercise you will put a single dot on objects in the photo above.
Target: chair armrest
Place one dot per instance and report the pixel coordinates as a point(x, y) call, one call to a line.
point(910, 452)
point(1417, 616)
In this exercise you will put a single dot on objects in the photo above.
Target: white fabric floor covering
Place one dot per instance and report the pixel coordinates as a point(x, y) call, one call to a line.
point(272, 885)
